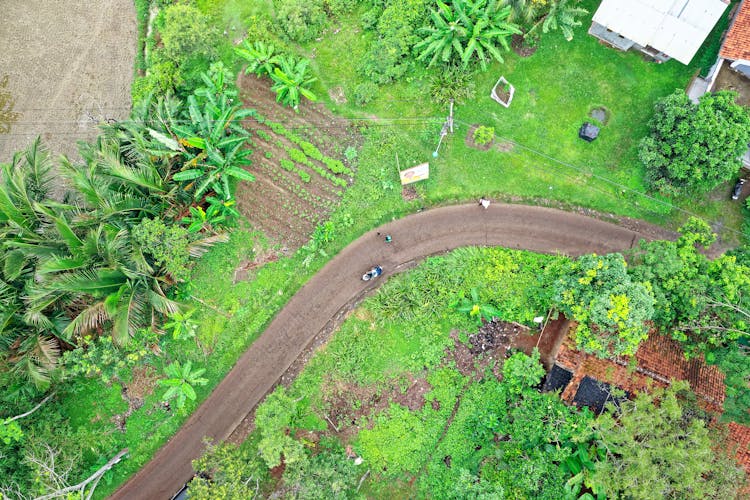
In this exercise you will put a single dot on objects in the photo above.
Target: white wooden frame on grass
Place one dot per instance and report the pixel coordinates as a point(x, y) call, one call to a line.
point(494, 95)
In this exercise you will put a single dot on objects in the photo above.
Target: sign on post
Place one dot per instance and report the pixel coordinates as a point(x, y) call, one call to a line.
point(414, 174)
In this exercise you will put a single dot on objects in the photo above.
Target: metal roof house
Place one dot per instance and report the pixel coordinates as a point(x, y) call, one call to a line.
point(661, 29)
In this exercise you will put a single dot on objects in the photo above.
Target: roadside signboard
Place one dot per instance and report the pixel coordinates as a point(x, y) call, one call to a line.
point(414, 174)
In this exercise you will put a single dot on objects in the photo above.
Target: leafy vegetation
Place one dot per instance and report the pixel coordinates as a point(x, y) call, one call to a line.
point(463, 30)
point(610, 308)
point(474, 432)
point(694, 148)
point(658, 446)
point(160, 143)
point(701, 302)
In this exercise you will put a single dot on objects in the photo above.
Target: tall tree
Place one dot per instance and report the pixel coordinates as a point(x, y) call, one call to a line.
point(657, 446)
point(703, 303)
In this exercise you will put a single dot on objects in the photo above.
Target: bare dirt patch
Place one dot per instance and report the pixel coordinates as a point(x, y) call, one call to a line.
point(728, 79)
point(69, 67)
point(142, 384)
point(520, 46)
point(281, 203)
point(409, 193)
point(486, 348)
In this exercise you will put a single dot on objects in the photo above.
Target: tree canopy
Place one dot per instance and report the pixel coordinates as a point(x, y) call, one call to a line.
point(693, 148)
point(658, 446)
point(611, 309)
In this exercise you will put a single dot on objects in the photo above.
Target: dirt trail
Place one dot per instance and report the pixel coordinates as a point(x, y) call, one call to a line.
point(337, 287)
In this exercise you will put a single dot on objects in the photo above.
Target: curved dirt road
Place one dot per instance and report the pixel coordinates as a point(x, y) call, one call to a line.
point(333, 290)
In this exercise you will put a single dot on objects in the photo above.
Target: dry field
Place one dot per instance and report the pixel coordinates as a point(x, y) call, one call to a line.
point(69, 65)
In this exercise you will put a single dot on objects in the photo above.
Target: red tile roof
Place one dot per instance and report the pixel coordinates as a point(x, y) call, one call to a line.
point(740, 434)
point(659, 359)
point(737, 43)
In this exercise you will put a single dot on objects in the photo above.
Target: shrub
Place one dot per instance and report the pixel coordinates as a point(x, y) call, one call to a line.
point(338, 7)
point(388, 57)
point(300, 20)
point(189, 41)
point(452, 83)
point(168, 245)
point(484, 135)
point(364, 93)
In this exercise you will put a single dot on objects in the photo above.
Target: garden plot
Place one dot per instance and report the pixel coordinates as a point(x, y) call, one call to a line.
point(297, 162)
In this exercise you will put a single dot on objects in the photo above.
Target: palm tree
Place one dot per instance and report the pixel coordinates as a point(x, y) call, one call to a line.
point(29, 343)
point(525, 12)
point(563, 15)
point(292, 82)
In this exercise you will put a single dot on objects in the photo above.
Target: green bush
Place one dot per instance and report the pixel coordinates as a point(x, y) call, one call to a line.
point(364, 93)
point(453, 82)
point(169, 246)
point(388, 57)
point(339, 7)
point(300, 20)
point(695, 147)
point(484, 135)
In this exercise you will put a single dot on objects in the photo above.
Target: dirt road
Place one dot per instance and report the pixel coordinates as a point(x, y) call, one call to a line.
point(337, 287)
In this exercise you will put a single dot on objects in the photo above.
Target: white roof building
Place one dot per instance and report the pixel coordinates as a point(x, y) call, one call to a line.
point(659, 28)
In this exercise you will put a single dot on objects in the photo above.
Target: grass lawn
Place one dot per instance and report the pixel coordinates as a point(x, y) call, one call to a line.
point(556, 88)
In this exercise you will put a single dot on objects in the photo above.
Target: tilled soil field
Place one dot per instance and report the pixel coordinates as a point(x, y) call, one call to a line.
point(281, 203)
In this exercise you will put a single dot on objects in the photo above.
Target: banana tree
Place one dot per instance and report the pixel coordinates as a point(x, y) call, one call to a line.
point(477, 310)
point(467, 30)
point(291, 81)
point(180, 383)
point(209, 137)
point(260, 57)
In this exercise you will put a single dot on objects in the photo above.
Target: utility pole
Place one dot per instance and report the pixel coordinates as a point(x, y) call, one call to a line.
point(444, 131)
point(450, 117)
